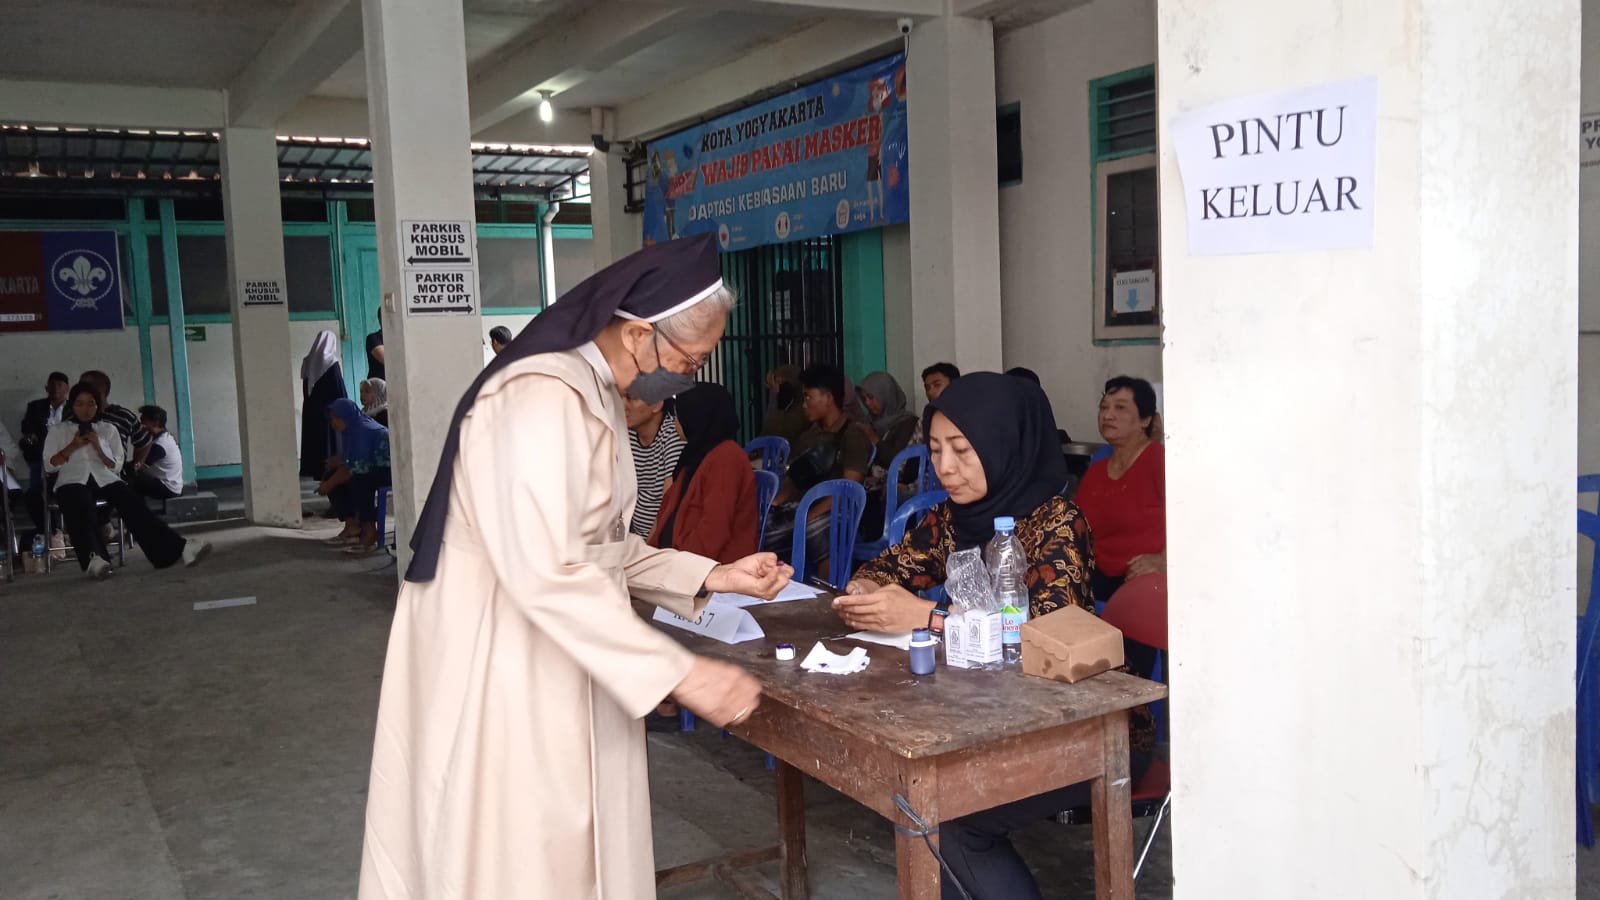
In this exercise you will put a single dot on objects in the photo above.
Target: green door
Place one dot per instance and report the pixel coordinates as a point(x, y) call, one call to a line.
point(362, 297)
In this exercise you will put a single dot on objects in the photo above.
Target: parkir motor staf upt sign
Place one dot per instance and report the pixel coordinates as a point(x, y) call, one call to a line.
point(437, 265)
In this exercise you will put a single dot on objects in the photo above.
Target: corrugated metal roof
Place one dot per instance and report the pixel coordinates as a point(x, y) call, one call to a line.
point(90, 154)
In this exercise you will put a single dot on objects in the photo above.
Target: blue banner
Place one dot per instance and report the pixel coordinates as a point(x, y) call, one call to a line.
point(823, 159)
point(60, 281)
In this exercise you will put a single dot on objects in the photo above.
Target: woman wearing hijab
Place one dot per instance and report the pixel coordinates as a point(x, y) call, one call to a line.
point(710, 508)
point(510, 754)
point(891, 421)
point(85, 452)
point(994, 446)
point(363, 469)
point(321, 383)
point(375, 400)
point(786, 413)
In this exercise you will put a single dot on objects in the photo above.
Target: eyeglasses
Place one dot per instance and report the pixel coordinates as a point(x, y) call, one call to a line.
point(698, 361)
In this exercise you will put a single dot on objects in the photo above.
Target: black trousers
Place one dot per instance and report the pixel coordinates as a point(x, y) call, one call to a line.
point(978, 847)
point(363, 493)
point(148, 485)
point(161, 545)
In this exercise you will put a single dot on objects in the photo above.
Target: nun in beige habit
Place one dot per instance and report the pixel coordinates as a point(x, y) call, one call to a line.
point(509, 760)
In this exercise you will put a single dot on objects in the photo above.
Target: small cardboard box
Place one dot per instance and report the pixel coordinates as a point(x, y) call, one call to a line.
point(1069, 645)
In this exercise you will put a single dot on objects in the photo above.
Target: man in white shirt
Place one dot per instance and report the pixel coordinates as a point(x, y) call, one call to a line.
point(160, 475)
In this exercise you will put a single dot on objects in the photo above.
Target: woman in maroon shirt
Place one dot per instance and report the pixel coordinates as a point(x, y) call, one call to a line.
point(1124, 496)
point(710, 506)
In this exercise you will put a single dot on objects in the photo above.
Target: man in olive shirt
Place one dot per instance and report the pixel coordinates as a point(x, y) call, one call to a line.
point(834, 446)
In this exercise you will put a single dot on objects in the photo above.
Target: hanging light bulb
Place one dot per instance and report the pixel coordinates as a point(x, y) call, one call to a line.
point(547, 113)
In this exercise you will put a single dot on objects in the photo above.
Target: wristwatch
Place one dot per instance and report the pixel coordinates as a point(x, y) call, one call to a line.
point(936, 616)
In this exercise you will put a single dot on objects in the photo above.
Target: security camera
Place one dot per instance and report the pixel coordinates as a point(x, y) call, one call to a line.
point(905, 26)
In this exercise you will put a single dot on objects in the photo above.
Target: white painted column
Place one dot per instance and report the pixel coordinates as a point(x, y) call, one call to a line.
point(615, 233)
point(955, 194)
point(422, 167)
point(1370, 464)
point(261, 350)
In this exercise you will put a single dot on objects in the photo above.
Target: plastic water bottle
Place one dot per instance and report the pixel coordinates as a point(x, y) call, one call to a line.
point(1007, 570)
point(40, 548)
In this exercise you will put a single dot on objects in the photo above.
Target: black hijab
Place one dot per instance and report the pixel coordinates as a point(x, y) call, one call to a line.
point(649, 285)
point(706, 415)
point(1008, 421)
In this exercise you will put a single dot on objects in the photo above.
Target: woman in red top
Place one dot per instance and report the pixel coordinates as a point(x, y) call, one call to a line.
point(710, 507)
point(1124, 496)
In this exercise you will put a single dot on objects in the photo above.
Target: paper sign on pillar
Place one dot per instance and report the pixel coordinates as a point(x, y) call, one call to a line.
point(1284, 172)
point(437, 267)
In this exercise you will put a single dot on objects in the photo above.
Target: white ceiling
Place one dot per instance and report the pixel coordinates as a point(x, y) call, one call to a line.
point(161, 43)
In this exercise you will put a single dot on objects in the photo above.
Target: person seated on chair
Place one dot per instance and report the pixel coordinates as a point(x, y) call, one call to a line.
point(363, 469)
point(892, 423)
point(834, 446)
point(992, 439)
point(710, 504)
point(655, 441)
point(375, 400)
point(36, 421)
point(786, 413)
point(85, 453)
point(1124, 495)
point(161, 474)
point(135, 440)
point(935, 379)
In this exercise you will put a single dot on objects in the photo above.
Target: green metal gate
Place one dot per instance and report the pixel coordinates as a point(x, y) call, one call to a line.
point(791, 310)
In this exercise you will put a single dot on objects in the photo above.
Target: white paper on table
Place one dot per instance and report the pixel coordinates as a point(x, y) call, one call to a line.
point(794, 590)
point(898, 639)
point(718, 621)
point(825, 661)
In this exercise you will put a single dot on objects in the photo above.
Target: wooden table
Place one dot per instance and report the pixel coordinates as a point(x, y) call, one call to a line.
point(951, 744)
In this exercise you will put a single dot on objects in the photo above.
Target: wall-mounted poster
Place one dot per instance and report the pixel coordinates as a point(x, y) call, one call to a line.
point(823, 159)
point(60, 281)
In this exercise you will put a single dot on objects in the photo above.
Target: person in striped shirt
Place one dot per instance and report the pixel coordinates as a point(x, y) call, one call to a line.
point(135, 439)
point(653, 436)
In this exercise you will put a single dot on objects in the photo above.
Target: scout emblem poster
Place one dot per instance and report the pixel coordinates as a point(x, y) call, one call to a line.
point(60, 281)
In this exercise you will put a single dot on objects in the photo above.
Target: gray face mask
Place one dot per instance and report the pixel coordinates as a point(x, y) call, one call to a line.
point(659, 384)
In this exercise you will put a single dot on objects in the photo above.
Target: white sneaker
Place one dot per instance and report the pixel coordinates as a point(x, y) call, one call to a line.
point(194, 551)
point(99, 569)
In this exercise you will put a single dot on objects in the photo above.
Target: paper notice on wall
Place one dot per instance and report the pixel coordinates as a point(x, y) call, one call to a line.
point(1284, 172)
point(1589, 139)
point(261, 291)
point(1133, 291)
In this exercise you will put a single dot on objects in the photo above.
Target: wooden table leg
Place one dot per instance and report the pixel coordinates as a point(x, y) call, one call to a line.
point(916, 870)
point(1111, 803)
point(792, 831)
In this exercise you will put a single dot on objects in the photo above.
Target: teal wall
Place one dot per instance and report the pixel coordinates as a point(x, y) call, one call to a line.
point(864, 344)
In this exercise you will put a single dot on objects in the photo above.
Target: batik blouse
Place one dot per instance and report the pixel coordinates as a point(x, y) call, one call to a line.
point(1060, 552)
point(1055, 537)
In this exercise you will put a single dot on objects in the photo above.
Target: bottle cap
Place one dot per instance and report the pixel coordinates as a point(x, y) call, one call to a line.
point(786, 651)
point(1004, 523)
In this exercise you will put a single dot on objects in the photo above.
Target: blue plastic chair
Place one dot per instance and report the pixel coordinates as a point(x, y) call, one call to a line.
point(766, 488)
point(849, 498)
point(1588, 690)
point(915, 507)
point(866, 550)
point(774, 453)
point(872, 457)
point(1100, 454)
point(385, 536)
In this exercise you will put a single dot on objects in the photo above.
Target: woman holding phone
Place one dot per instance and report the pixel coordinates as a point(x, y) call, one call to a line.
point(85, 453)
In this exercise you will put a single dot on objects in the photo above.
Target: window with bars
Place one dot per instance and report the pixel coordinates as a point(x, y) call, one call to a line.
point(1126, 206)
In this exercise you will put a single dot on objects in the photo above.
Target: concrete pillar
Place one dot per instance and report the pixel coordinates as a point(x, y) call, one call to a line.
point(955, 194)
point(1370, 464)
point(267, 427)
point(422, 171)
point(616, 233)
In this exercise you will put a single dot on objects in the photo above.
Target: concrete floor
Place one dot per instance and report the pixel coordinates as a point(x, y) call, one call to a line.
point(156, 751)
